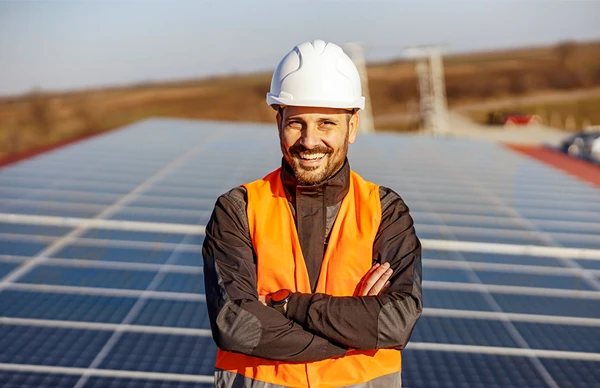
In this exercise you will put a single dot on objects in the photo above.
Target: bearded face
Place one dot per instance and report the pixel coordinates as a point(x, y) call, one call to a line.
point(314, 141)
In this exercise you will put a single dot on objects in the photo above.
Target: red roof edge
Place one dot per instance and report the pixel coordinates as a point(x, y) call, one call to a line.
point(578, 168)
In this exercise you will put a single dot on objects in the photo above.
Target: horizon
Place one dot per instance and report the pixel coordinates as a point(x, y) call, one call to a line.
point(67, 46)
point(166, 82)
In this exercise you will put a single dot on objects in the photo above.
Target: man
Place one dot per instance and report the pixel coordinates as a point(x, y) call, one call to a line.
point(313, 275)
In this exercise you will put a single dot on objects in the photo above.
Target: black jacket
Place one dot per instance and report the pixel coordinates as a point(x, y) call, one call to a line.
point(316, 326)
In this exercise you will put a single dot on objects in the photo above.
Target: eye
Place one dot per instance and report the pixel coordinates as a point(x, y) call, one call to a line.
point(294, 124)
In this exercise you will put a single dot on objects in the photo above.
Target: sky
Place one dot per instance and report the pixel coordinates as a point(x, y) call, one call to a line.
point(62, 45)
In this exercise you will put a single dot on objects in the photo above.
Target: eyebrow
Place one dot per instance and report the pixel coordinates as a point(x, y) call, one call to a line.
point(320, 119)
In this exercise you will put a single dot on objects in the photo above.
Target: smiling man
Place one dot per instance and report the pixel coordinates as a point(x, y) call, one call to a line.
point(312, 273)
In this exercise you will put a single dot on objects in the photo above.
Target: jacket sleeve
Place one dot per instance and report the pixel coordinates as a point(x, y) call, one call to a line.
point(239, 321)
point(373, 322)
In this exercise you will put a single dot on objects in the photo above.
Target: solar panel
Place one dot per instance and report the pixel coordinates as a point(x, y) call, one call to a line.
point(101, 270)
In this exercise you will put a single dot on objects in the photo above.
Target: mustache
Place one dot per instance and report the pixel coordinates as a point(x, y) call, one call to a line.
point(298, 148)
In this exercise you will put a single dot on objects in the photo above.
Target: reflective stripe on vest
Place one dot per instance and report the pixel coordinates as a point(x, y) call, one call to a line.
point(280, 264)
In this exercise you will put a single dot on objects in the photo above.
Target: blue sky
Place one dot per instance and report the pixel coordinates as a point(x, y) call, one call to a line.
point(60, 45)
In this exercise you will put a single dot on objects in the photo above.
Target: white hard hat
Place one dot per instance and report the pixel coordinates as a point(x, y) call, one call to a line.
point(316, 74)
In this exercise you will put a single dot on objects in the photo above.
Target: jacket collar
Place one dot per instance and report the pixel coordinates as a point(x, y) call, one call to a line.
point(333, 189)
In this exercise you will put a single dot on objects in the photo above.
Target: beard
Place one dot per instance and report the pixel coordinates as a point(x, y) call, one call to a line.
point(314, 175)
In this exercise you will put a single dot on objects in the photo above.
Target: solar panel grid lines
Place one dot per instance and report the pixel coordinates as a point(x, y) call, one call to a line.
point(106, 213)
point(525, 352)
point(113, 341)
point(167, 295)
point(100, 223)
point(528, 224)
point(514, 249)
point(539, 366)
point(129, 318)
point(478, 286)
point(138, 300)
point(462, 339)
point(515, 317)
point(510, 328)
point(106, 326)
point(110, 373)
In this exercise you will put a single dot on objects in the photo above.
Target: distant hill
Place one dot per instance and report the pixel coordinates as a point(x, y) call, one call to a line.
point(39, 118)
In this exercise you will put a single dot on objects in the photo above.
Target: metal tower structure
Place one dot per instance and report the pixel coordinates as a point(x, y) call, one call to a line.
point(432, 89)
point(355, 51)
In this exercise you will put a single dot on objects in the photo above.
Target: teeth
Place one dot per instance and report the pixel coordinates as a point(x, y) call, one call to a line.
point(311, 156)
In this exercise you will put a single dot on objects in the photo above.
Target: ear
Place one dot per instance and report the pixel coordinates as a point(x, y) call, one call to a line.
point(279, 120)
point(353, 127)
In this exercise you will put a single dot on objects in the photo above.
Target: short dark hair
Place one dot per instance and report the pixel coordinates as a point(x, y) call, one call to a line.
point(349, 113)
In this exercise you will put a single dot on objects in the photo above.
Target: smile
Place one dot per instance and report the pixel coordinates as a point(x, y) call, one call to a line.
point(306, 156)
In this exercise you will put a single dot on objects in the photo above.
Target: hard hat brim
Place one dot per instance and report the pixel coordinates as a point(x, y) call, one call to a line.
point(275, 100)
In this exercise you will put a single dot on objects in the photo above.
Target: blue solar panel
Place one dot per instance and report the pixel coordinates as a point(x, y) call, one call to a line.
point(548, 305)
point(89, 277)
point(5, 268)
point(134, 214)
point(573, 373)
point(20, 248)
point(491, 237)
point(76, 197)
point(462, 331)
point(173, 313)
point(577, 241)
point(560, 337)
point(448, 275)
point(589, 264)
point(162, 353)
point(431, 369)
point(68, 307)
point(459, 300)
point(155, 237)
point(10, 193)
point(178, 282)
point(186, 257)
point(180, 204)
point(10, 379)
point(101, 382)
point(488, 194)
point(532, 280)
point(511, 259)
point(50, 346)
point(41, 230)
point(82, 186)
point(440, 255)
point(102, 252)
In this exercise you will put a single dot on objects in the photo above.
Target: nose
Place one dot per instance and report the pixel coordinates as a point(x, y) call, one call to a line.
point(310, 137)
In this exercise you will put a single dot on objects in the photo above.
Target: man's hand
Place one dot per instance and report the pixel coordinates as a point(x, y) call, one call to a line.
point(376, 280)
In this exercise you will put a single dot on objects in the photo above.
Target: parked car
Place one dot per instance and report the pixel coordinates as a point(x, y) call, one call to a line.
point(584, 144)
point(512, 118)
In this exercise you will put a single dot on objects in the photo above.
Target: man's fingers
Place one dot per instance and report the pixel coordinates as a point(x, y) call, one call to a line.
point(371, 270)
point(380, 283)
point(386, 286)
point(363, 281)
point(375, 279)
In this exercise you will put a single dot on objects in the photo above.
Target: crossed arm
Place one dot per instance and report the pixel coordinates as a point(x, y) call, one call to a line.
point(375, 281)
point(316, 326)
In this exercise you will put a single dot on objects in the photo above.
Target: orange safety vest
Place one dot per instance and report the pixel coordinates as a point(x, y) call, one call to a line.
point(280, 264)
